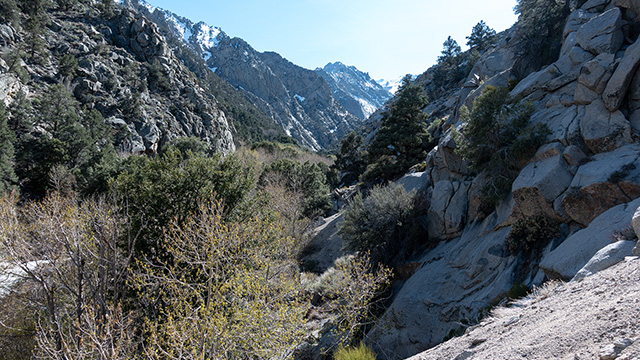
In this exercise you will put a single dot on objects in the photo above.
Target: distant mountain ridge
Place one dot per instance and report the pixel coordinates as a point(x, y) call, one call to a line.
point(317, 109)
point(356, 90)
point(391, 85)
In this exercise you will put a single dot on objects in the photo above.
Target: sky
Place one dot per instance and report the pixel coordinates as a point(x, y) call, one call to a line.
point(386, 38)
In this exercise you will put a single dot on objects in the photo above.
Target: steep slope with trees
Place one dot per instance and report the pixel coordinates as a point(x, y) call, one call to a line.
point(85, 82)
point(299, 100)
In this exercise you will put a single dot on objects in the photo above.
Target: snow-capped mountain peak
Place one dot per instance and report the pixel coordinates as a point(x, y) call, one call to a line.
point(391, 85)
point(355, 89)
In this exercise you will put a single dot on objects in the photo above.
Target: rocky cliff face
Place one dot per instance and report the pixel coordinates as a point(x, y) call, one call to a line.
point(299, 100)
point(355, 90)
point(114, 57)
point(585, 177)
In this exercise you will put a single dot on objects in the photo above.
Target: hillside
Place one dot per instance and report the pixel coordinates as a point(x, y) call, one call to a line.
point(108, 57)
point(154, 202)
point(581, 181)
point(300, 101)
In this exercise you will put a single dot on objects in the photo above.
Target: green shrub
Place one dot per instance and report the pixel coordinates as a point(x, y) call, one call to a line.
point(518, 291)
point(380, 222)
point(360, 352)
point(173, 185)
point(305, 178)
point(496, 137)
point(531, 234)
point(621, 174)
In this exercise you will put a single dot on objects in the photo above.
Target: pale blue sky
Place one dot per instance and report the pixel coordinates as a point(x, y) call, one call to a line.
point(387, 38)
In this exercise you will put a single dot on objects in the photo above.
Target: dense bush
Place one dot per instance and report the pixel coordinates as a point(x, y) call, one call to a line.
point(228, 293)
point(230, 289)
point(72, 279)
point(380, 222)
point(496, 137)
point(531, 234)
point(171, 187)
point(539, 31)
point(351, 292)
point(305, 178)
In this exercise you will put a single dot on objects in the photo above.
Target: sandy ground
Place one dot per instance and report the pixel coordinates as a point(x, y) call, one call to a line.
point(596, 318)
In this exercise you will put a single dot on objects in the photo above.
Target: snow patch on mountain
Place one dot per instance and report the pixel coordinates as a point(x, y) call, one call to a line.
point(367, 107)
point(148, 6)
point(391, 85)
point(180, 27)
point(207, 35)
point(270, 81)
point(355, 89)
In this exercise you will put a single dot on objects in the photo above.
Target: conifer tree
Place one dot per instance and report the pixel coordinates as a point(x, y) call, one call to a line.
point(448, 70)
point(450, 51)
point(402, 140)
point(36, 45)
point(350, 161)
point(9, 12)
point(539, 29)
point(7, 175)
point(21, 117)
point(482, 37)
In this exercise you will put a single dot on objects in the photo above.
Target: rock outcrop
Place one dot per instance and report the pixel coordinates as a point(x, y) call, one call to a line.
point(112, 58)
point(595, 318)
point(586, 177)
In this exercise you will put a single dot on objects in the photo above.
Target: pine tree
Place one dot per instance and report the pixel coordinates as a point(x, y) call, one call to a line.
point(21, 117)
point(448, 70)
point(482, 37)
point(402, 140)
point(66, 5)
point(8, 177)
point(9, 12)
point(67, 67)
point(539, 29)
point(350, 161)
point(36, 45)
point(450, 51)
